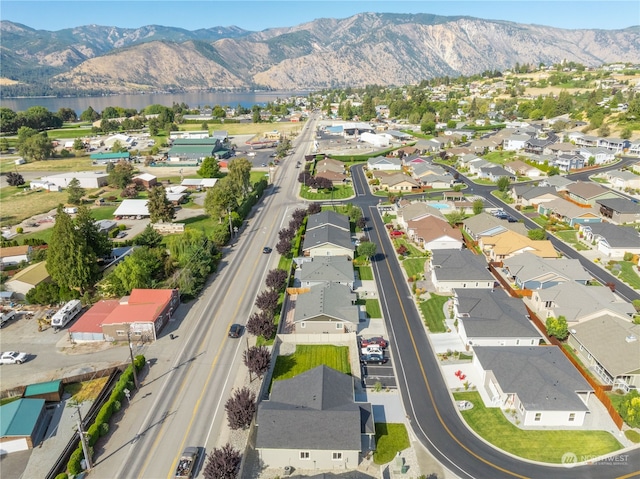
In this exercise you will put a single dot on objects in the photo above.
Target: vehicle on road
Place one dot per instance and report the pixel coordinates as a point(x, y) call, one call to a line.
point(251, 153)
point(66, 314)
point(235, 331)
point(187, 463)
point(7, 316)
point(266, 250)
point(377, 340)
point(13, 357)
point(373, 358)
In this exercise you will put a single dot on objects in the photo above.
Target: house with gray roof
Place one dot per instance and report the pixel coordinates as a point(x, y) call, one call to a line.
point(587, 192)
point(559, 182)
point(569, 212)
point(385, 164)
point(612, 240)
point(458, 269)
point(328, 217)
point(610, 347)
point(538, 382)
point(600, 155)
point(485, 224)
point(326, 308)
point(325, 269)
point(493, 318)
point(529, 271)
point(515, 142)
point(529, 195)
point(327, 240)
point(578, 303)
point(622, 179)
point(494, 173)
point(620, 210)
point(312, 421)
point(414, 211)
point(569, 161)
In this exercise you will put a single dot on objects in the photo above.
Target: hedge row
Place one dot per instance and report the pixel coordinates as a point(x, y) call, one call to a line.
point(100, 426)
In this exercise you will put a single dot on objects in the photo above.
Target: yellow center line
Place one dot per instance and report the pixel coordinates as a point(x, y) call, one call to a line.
point(424, 375)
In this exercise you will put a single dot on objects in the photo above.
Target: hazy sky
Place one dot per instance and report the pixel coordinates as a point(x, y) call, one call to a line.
point(262, 14)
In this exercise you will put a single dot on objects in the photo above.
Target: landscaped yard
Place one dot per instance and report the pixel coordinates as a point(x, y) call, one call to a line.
point(544, 446)
point(413, 251)
point(365, 273)
point(500, 157)
point(390, 439)
point(308, 357)
point(626, 273)
point(432, 311)
point(571, 237)
point(337, 193)
point(414, 266)
point(372, 307)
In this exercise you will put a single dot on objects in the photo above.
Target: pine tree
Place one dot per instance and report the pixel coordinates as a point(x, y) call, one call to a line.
point(160, 209)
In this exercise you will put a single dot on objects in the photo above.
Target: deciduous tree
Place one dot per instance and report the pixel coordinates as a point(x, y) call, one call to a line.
point(14, 179)
point(557, 327)
point(223, 463)
point(257, 359)
point(160, 209)
point(478, 206)
point(284, 247)
point(503, 183)
point(261, 324)
point(121, 174)
point(241, 408)
point(267, 300)
point(240, 176)
point(537, 234)
point(276, 279)
point(210, 168)
point(367, 249)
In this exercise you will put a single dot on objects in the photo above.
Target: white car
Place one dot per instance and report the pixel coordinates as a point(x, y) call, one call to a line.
point(251, 153)
point(13, 357)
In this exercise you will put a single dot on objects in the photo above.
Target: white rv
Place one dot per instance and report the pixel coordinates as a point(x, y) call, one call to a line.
point(66, 314)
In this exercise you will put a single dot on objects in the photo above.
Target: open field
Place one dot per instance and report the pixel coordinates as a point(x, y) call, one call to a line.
point(20, 206)
point(247, 128)
point(544, 446)
point(61, 164)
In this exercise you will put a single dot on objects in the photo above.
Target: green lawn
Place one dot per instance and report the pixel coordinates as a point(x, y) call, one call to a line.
point(387, 218)
point(365, 272)
point(390, 438)
point(569, 349)
point(44, 235)
point(373, 308)
point(542, 221)
point(627, 273)
point(432, 311)
point(338, 193)
point(571, 237)
point(543, 446)
point(414, 266)
point(500, 157)
point(413, 251)
point(203, 223)
point(103, 212)
point(308, 357)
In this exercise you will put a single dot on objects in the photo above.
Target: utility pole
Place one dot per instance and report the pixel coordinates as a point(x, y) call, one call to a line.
point(133, 365)
point(83, 441)
point(230, 224)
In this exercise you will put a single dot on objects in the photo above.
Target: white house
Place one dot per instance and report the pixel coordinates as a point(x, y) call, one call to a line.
point(382, 163)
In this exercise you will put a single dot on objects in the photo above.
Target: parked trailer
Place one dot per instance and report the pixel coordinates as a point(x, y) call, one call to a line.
point(66, 314)
point(7, 316)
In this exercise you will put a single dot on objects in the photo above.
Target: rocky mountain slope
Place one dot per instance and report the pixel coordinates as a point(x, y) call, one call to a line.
point(386, 49)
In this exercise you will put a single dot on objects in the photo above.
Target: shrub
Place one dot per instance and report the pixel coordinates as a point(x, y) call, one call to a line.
point(93, 433)
point(122, 227)
point(105, 413)
point(627, 256)
point(62, 475)
point(103, 429)
point(73, 466)
point(20, 230)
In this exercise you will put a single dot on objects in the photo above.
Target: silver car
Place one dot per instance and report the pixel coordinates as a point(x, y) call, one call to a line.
point(13, 357)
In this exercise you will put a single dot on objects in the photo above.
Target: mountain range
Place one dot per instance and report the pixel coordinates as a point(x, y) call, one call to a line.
point(367, 48)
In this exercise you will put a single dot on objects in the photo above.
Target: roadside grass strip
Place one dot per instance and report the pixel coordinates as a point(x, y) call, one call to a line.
point(365, 272)
point(390, 439)
point(433, 314)
point(544, 446)
point(308, 357)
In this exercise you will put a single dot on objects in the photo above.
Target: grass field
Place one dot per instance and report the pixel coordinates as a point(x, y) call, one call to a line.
point(432, 311)
point(202, 223)
point(365, 273)
point(246, 128)
point(372, 306)
point(18, 206)
point(390, 439)
point(308, 357)
point(414, 266)
point(544, 446)
point(413, 251)
point(59, 165)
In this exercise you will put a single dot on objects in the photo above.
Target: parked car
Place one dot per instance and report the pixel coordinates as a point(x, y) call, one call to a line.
point(13, 357)
point(235, 331)
point(372, 349)
point(373, 358)
point(377, 340)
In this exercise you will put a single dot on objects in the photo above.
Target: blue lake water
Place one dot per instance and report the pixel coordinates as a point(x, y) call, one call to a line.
point(193, 99)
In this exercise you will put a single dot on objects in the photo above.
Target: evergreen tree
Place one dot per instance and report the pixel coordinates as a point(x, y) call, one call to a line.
point(160, 209)
point(87, 228)
point(75, 192)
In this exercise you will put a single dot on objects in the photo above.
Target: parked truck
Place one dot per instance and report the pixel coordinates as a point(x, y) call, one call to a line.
point(187, 463)
point(7, 316)
point(66, 314)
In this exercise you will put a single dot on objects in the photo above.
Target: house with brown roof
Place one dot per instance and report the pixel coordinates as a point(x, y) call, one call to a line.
point(15, 254)
point(434, 233)
point(520, 168)
point(396, 182)
point(140, 316)
point(569, 212)
point(329, 164)
point(587, 192)
point(508, 244)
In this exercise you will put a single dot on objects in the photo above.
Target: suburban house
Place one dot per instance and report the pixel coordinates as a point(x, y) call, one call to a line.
point(520, 168)
point(599, 155)
point(28, 278)
point(493, 318)
point(579, 303)
point(132, 208)
point(559, 182)
point(569, 212)
point(509, 243)
point(531, 195)
point(15, 255)
point(415, 210)
point(433, 233)
point(620, 210)
point(538, 382)
point(383, 163)
point(23, 424)
point(459, 269)
point(608, 345)
point(484, 224)
point(395, 181)
point(312, 421)
point(494, 173)
point(87, 179)
point(427, 146)
point(327, 240)
point(587, 193)
point(328, 217)
point(329, 164)
point(323, 270)
point(570, 161)
point(623, 180)
point(515, 142)
point(139, 316)
point(529, 271)
point(326, 308)
point(612, 240)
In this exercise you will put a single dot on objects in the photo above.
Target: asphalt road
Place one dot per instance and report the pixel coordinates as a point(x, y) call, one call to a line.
point(427, 400)
point(188, 407)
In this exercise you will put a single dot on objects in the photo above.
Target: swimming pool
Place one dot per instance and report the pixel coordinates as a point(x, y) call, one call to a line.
point(440, 206)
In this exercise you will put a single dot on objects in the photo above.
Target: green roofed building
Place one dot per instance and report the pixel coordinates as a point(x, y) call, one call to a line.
point(49, 391)
point(191, 153)
point(22, 425)
point(109, 157)
point(196, 141)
